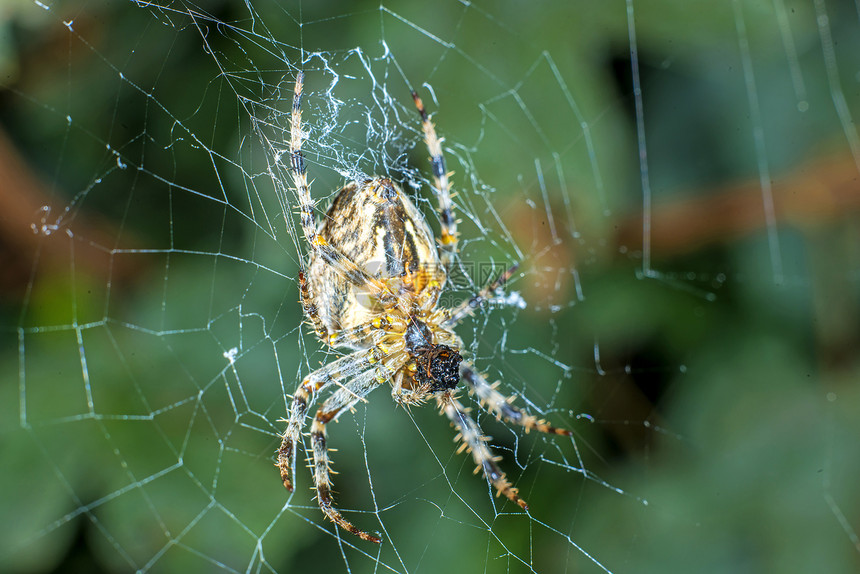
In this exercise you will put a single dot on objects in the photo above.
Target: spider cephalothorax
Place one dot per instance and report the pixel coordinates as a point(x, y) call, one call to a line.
point(438, 368)
point(372, 285)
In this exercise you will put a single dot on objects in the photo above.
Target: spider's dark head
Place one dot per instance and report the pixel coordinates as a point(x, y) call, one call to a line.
point(438, 368)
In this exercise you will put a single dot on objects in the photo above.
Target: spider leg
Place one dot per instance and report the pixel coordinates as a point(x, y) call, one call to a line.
point(343, 398)
point(340, 262)
point(343, 368)
point(310, 308)
point(476, 442)
point(383, 323)
point(407, 397)
point(501, 406)
point(448, 237)
point(297, 164)
point(468, 307)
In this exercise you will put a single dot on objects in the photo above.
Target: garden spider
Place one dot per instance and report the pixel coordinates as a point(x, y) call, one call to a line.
point(373, 284)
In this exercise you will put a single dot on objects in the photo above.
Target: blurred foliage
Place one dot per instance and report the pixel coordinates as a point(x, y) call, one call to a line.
point(140, 394)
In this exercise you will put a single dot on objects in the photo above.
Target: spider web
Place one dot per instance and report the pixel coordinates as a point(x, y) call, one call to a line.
point(679, 188)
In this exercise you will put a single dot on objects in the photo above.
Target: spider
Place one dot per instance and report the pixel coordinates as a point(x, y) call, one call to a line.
point(372, 285)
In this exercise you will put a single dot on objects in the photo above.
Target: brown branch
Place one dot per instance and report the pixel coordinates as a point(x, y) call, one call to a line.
point(815, 194)
point(23, 198)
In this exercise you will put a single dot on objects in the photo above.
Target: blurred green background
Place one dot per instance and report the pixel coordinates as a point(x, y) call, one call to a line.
point(151, 333)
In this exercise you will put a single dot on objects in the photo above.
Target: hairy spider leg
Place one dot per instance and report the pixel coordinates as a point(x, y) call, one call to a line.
point(375, 329)
point(310, 308)
point(340, 262)
point(448, 239)
point(384, 323)
point(500, 405)
point(476, 442)
point(343, 368)
point(343, 398)
point(468, 307)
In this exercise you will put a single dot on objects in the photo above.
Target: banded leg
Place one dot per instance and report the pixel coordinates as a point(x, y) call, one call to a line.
point(340, 262)
point(501, 406)
point(476, 442)
point(448, 237)
point(343, 368)
point(468, 307)
point(343, 398)
point(407, 397)
point(355, 336)
point(382, 323)
point(310, 308)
